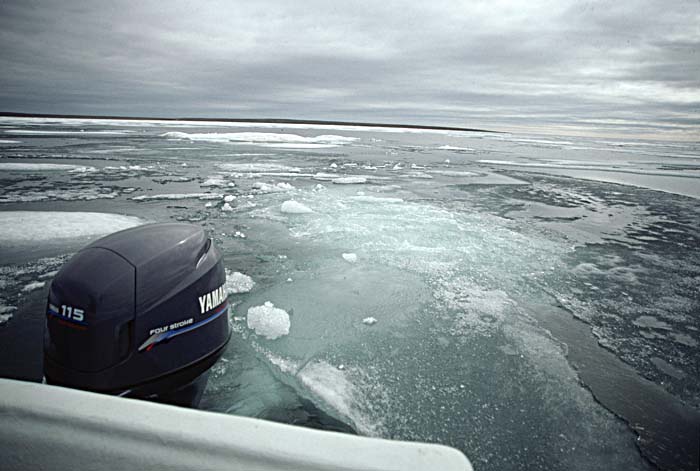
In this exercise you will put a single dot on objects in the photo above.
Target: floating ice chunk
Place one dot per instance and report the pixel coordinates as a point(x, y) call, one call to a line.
point(459, 149)
point(41, 226)
point(447, 161)
point(350, 257)
point(319, 187)
point(262, 167)
point(229, 198)
point(8, 141)
point(178, 196)
point(334, 165)
point(50, 274)
point(323, 176)
point(269, 321)
point(214, 181)
point(237, 282)
point(209, 205)
point(397, 167)
point(37, 167)
point(227, 207)
point(6, 313)
point(294, 207)
point(272, 188)
point(369, 321)
point(349, 180)
point(417, 167)
point(33, 286)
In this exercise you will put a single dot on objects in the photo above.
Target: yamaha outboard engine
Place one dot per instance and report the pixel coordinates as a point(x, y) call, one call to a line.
point(139, 313)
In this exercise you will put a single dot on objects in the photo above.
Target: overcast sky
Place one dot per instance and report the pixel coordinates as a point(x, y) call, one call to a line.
point(593, 67)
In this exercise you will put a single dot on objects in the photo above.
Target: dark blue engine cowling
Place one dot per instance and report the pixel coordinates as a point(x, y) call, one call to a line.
point(140, 313)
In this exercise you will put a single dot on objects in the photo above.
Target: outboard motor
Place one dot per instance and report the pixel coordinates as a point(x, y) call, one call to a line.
point(139, 313)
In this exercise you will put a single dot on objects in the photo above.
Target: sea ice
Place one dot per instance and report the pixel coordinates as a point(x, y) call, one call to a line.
point(179, 196)
point(227, 207)
point(336, 388)
point(265, 139)
point(6, 313)
point(349, 180)
point(269, 321)
point(33, 286)
point(294, 207)
point(272, 187)
point(369, 321)
point(43, 226)
point(237, 282)
point(350, 257)
point(458, 149)
point(263, 167)
point(214, 181)
point(37, 167)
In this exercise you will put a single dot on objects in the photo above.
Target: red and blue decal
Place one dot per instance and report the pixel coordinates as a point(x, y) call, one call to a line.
point(157, 338)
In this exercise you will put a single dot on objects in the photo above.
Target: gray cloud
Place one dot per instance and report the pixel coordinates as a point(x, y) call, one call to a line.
point(480, 63)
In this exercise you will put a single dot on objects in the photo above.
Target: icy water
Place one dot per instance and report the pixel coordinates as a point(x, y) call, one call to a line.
point(530, 301)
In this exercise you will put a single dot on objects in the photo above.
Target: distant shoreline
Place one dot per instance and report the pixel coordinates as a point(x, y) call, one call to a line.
point(251, 120)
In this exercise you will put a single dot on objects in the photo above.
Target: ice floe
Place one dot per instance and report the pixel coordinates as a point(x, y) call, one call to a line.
point(294, 207)
point(349, 180)
point(272, 187)
point(214, 181)
point(268, 321)
point(350, 257)
point(369, 320)
point(343, 391)
point(34, 285)
point(262, 167)
point(237, 282)
point(6, 313)
point(265, 139)
point(456, 149)
point(42, 226)
point(179, 196)
point(37, 167)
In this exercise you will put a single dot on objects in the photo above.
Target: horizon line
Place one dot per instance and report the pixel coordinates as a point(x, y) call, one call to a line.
point(13, 114)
